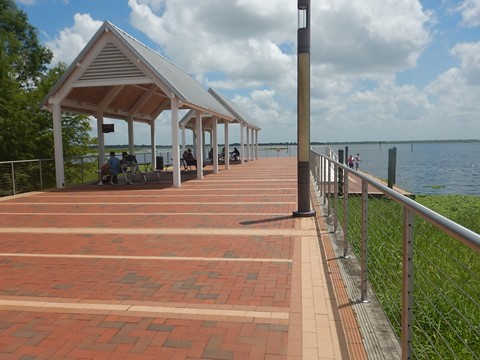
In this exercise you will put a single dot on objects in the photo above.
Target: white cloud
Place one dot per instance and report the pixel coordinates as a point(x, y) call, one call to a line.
point(470, 12)
point(457, 89)
point(369, 37)
point(220, 36)
point(251, 45)
point(71, 41)
point(469, 55)
point(248, 47)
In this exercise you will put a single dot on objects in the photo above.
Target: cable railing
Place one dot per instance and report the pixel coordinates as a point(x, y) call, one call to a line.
point(18, 177)
point(423, 268)
point(22, 176)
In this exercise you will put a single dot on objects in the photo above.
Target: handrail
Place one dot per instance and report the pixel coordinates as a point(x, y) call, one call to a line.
point(459, 232)
point(435, 294)
point(23, 161)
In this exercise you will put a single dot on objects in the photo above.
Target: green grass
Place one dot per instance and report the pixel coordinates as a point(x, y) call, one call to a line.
point(446, 273)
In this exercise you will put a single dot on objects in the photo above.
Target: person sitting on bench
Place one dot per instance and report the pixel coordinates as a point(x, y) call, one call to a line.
point(189, 159)
point(129, 161)
point(235, 154)
point(114, 167)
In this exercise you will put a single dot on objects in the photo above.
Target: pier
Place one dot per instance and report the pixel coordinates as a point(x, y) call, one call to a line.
point(215, 269)
point(355, 186)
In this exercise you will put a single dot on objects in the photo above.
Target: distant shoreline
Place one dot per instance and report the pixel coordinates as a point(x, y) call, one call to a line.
point(313, 143)
point(399, 142)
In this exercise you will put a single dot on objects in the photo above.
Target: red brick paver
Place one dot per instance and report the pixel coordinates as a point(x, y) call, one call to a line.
point(215, 269)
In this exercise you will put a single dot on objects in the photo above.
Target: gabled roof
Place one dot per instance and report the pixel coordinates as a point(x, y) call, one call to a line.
point(234, 109)
point(120, 77)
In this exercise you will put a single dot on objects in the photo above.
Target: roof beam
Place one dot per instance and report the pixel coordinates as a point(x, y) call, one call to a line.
point(163, 106)
point(109, 97)
point(146, 95)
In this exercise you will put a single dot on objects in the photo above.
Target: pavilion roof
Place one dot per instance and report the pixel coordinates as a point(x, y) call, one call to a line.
point(235, 109)
point(120, 77)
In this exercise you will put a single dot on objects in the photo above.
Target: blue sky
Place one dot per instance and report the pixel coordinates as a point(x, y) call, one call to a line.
point(380, 69)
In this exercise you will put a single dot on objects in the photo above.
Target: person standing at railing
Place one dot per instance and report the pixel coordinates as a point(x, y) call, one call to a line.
point(357, 161)
point(350, 162)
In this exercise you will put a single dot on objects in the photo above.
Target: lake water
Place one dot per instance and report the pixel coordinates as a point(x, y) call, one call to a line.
point(425, 168)
point(422, 168)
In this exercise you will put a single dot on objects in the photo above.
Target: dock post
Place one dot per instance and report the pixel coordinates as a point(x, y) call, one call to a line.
point(392, 164)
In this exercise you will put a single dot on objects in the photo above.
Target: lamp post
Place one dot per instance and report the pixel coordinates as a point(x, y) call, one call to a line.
point(303, 110)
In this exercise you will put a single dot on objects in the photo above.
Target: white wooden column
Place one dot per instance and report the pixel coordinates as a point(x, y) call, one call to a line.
point(101, 140)
point(153, 147)
point(131, 136)
point(226, 158)
point(215, 145)
point(242, 143)
point(256, 144)
point(248, 144)
point(184, 139)
point(175, 147)
point(199, 143)
point(204, 143)
point(58, 144)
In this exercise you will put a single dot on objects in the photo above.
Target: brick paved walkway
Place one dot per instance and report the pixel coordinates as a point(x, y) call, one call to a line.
point(216, 269)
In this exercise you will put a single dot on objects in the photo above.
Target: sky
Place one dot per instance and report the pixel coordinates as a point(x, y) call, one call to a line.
point(381, 70)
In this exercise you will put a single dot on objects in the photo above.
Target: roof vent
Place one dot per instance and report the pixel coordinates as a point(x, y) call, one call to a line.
point(111, 63)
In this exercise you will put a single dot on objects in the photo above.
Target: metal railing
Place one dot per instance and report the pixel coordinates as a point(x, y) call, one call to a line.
point(423, 268)
point(22, 176)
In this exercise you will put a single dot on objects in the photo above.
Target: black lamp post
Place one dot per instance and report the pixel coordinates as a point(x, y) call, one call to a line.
point(303, 110)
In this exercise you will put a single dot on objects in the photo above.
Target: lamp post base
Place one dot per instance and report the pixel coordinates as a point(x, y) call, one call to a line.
point(303, 213)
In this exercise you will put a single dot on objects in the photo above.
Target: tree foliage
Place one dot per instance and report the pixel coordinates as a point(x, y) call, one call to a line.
point(26, 130)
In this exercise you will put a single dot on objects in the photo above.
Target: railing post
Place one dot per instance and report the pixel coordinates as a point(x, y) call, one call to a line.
point(83, 168)
point(407, 284)
point(13, 178)
point(335, 203)
point(345, 214)
point(340, 173)
point(364, 246)
point(324, 180)
point(329, 192)
point(319, 173)
point(40, 173)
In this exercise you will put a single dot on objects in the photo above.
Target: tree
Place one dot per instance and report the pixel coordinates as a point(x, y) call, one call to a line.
point(26, 130)
point(21, 51)
point(22, 63)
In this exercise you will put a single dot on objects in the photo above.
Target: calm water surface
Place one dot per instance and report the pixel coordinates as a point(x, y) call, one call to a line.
point(422, 168)
point(425, 168)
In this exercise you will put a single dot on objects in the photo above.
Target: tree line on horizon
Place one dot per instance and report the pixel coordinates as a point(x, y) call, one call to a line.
point(292, 143)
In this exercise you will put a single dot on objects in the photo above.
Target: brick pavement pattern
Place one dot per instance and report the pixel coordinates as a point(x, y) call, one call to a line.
point(215, 269)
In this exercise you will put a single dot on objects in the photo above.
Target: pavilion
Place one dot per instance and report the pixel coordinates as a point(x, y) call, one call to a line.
point(116, 76)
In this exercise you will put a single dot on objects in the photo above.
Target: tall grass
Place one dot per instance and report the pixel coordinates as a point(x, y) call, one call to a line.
point(446, 273)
